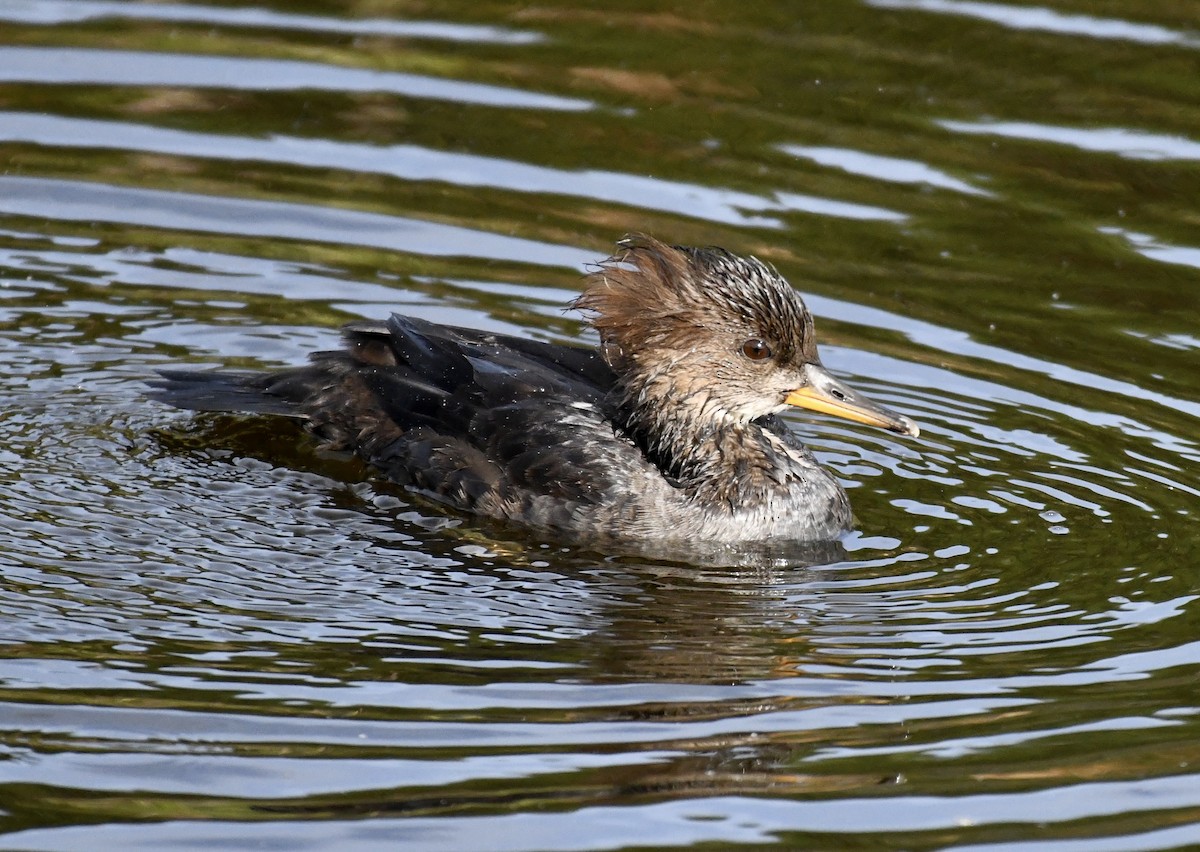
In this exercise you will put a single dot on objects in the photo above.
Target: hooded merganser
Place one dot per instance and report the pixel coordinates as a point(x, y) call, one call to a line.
point(667, 432)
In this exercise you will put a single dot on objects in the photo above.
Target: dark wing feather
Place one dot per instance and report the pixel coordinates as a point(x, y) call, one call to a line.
point(215, 391)
point(482, 421)
point(434, 356)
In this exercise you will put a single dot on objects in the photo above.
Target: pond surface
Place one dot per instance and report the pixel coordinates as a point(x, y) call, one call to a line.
point(216, 637)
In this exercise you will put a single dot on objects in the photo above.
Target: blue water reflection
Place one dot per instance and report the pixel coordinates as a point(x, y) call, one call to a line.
point(93, 67)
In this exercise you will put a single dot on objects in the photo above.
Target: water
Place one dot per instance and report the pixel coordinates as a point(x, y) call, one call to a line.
point(215, 636)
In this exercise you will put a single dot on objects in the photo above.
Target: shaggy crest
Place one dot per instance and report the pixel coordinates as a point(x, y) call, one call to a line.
point(650, 297)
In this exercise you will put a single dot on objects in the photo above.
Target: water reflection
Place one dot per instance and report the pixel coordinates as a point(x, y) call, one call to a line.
point(1147, 246)
point(35, 12)
point(1135, 144)
point(893, 169)
point(959, 343)
point(414, 163)
point(731, 818)
point(95, 66)
point(1046, 20)
point(96, 202)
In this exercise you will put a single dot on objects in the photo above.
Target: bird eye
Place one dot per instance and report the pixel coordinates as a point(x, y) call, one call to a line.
point(756, 350)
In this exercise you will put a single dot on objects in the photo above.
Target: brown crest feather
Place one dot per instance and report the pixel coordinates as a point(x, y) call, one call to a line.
point(639, 298)
point(652, 296)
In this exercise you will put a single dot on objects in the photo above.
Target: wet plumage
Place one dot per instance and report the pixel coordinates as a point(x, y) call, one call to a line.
point(666, 432)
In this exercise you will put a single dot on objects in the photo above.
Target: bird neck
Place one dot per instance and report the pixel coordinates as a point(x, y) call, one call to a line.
point(702, 449)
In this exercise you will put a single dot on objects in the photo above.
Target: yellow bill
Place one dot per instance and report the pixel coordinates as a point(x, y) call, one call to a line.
point(822, 392)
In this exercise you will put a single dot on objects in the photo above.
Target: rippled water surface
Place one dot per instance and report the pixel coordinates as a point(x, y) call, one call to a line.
point(216, 637)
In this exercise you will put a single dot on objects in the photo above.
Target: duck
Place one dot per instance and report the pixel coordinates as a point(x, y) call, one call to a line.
point(668, 430)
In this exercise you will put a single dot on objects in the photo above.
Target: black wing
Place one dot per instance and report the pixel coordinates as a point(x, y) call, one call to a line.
point(486, 422)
